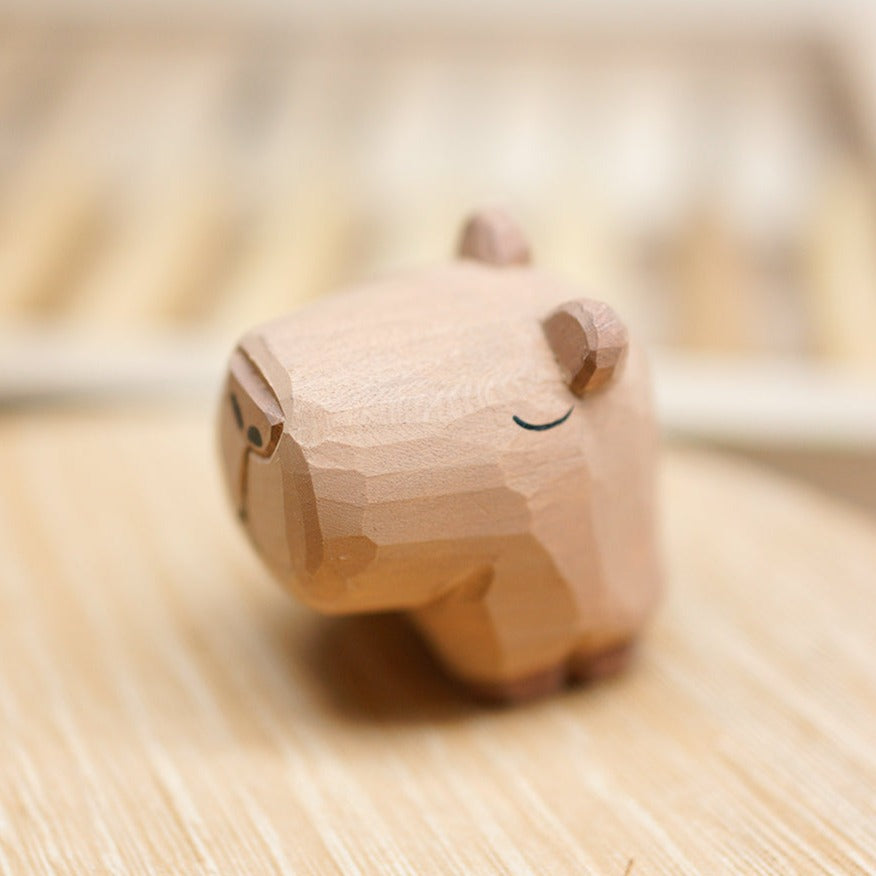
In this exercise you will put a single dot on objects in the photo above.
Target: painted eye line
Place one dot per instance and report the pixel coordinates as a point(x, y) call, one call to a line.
point(235, 407)
point(542, 427)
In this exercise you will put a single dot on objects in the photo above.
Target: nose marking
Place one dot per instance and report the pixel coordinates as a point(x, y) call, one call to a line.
point(541, 427)
point(244, 485)
point(254, 436)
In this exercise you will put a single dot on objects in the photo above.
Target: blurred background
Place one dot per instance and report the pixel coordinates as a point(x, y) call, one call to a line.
point(172, 173)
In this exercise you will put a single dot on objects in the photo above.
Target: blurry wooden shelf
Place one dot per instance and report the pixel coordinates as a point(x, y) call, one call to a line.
point(715, 184)
point(165, 708)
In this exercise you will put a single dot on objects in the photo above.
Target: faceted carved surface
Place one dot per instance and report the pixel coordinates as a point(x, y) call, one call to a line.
point(403, 480)
point(589, 341)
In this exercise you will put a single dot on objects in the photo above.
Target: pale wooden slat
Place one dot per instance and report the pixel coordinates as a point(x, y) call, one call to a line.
point(50, 227)
point(165, 708)
point(295, 253)
point(167, 261)
point(840, 265)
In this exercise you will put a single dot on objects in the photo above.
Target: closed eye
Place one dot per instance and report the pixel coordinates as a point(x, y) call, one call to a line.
point(541, 427)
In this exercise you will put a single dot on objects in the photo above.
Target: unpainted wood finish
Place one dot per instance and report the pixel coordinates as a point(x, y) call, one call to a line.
point(165, 710)
point(491, 236)
point(435, 457)
point(589, 341)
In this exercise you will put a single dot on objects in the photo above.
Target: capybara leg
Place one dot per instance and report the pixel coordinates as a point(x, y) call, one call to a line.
point(518, 690)
point(589, 665)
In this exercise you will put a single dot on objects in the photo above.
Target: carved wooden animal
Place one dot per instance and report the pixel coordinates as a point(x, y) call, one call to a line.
point(472, 444)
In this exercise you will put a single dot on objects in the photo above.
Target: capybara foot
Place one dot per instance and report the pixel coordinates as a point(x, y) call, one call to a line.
point(583, 666)
point(587, 666)
point(530, 687)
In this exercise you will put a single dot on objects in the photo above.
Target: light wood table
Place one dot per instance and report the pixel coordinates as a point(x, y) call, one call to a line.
point(165, 708)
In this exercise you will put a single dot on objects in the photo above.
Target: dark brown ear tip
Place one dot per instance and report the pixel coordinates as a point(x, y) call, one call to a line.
point(589, 341)
point(493, 237)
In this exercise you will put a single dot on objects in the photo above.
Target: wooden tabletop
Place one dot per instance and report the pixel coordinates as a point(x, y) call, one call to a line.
point(165, 708)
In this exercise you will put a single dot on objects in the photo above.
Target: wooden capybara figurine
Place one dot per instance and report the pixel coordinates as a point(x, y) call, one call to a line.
point(472, 444)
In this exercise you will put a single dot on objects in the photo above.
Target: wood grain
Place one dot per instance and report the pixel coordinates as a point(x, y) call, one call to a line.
point(164, 708)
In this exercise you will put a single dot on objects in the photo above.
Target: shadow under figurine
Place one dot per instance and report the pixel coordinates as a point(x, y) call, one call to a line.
point(473, 445)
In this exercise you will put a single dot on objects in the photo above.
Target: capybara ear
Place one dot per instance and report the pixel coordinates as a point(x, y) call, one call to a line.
point(493, 237)
point(589, 341)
